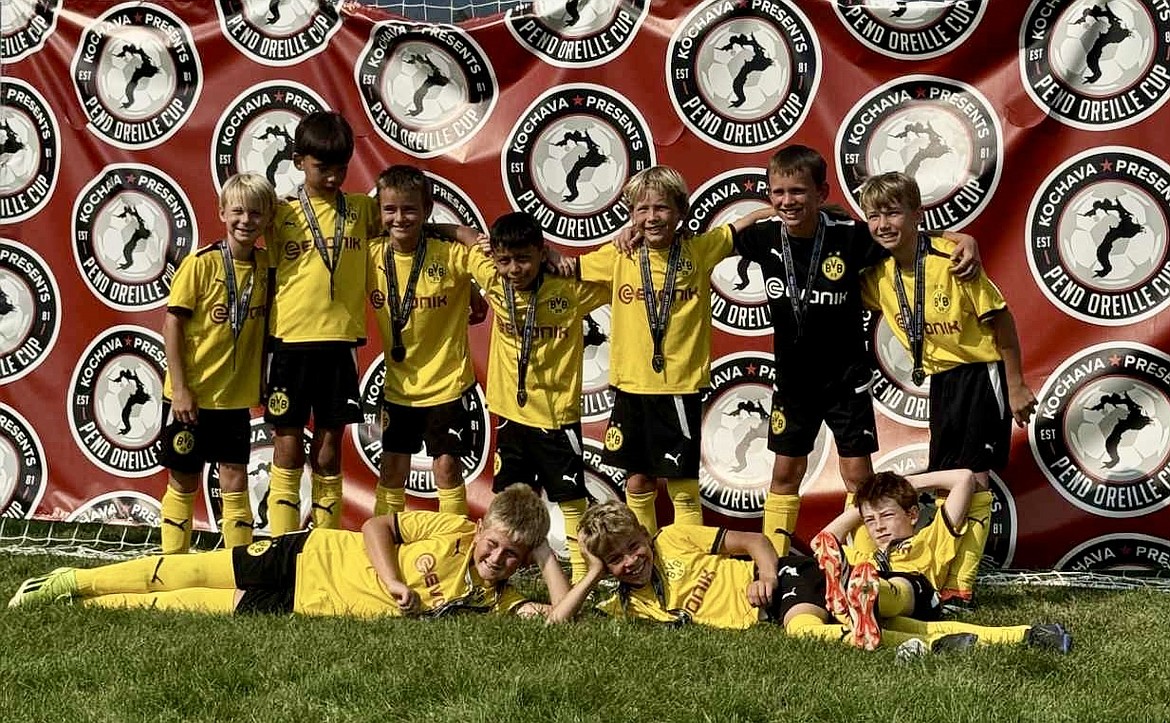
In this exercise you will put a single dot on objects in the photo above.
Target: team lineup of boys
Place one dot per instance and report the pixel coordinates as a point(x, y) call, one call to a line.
point(332, 251)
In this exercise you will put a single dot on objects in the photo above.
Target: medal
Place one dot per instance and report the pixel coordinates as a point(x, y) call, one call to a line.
point(798, 297)
point(526, 334)
point(331, 260)
point(400, 309)
point(918, 376)
point(658, 362)
point(915, 318)
point(521, 397)
point(659, 315)
point(398, 353)
point(237, 300)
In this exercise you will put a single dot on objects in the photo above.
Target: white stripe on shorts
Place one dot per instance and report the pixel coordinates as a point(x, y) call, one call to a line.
point(574, 442)
point(682, 416)
point(996, 380)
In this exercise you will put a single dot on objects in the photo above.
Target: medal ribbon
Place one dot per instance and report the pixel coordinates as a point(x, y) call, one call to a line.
point(237, 301)
point(400, 310)
point(331, 261)
point(527, 332)
point(659, 317)
point(797, 296)
point(915, 321)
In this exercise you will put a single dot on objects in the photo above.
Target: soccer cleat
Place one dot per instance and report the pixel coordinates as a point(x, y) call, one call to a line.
point(861, 594)
point(60, 584)
point(831, 560)
point(1049, 636)
point(953, 643)
point(956, 603)
point(910, 650)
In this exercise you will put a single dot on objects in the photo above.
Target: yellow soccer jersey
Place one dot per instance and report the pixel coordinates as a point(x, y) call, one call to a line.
point(437, 366)
point(687, 346)
point(303, 310)
point(929, 552)
point(691, 582)
point(957, 312)
point(553, 381)
point(335, 577)
point(222, 371)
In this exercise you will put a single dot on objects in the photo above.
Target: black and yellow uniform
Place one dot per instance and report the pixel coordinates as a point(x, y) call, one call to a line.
point(928, 552)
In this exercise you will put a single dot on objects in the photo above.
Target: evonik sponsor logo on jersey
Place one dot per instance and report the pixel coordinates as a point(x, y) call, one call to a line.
point(30, 151)
point(576, 33)
point(30, 310)
point(24, 469)
point(911, 29)
point(279, 32)
point(25, 25)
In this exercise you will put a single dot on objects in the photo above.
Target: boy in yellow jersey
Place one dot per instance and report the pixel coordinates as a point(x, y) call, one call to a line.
point(534, 368)
point(660, 357)
point(318, 246)
point(419, 285)
point(214, 333)
point(962, 336)
point(423, 564)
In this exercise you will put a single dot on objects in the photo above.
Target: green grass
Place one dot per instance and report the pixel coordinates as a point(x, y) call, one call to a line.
point(67, 663)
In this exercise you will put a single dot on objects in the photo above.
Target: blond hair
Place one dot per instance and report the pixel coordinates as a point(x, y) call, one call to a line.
point(663, 179)
point(607, 527)
point(521, 514)
point(250, 189)
point(889, 190)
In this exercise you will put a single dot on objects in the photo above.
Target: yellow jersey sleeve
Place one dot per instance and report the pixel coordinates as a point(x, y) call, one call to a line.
point(871, 278)
point(419, 525)
point(983, 296)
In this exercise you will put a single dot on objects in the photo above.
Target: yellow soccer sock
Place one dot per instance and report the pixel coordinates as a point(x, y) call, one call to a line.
point(988, 635)
point(895, 597)
point(284, 500)
point(453, 501)
point(196, 599)
point(572, 511)
point(862, 542)
point(389, 500)
point(159, 573)
point(642, 505)
point(177, 511)
point(780, 513)
point(965, 566)
point(684, 495)
point(326, 501)
point(811, 626)
point(236, 524)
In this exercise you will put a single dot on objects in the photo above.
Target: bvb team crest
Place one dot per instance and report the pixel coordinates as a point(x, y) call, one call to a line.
point(132, 227)
point(909, 30)
point(1099, 236)
point(115, 401)
point(1119, 552)
point(24, 27)
point(30, 310)
point(255, 134)
point(893, 388)
point(427, 89)
point(30, 151)
point(137, 75)
point(279, 32)
point(24, 470)
point(736, 465)
point(739, 301)
point(576, 33)
point(742, 75)
point(1102, 429)
point(1096, 64)
point(941, 132)
point(568, 157)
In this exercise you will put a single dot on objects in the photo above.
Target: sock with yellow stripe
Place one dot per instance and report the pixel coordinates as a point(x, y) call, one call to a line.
point(389, 500)
point(965, 567)
point(453, 501)
point(780, 513)
point(177, 511)
point(811, 626)
point(196, 599)
point(236, 524)
point(158, 573)
point(326, 501)
point(862, 542)
point(284, 500)
point(572, 511)
point(684, 495)
point(642, 505)
point(1008, 635)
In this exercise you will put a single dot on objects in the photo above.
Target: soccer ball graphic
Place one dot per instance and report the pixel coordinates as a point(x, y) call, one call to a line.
point(597, 154)
point(1141, 446)
point(135, 74)
point(927, 142)
point(1120, 210)
point(424, 84)
point(280, 18)
point(266, 148)
point(115, 395)
point(128, 217)
point(1121, 32)
point(743, 69)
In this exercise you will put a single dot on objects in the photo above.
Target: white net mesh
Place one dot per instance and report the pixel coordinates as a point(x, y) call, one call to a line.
point(89, 539)
point(442, 11)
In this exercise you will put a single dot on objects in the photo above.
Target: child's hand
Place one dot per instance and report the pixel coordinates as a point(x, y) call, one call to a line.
point(484, 243)
point(184, 405)
point(965, 261)
point(1022, 402)
point(557, 263)
point(627, 240)
point(406, 599)
point(479, 307)
point(759, 593)
point(592, 562)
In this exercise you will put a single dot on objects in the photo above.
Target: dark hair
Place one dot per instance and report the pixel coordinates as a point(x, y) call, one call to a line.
point(405, 179)
point(326, 136)
point(795, 159)
point(516, 230)
point(887, 486)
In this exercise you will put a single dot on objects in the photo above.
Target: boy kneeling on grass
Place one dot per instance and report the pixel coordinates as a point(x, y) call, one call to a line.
point(688, 573)
point(424, 564)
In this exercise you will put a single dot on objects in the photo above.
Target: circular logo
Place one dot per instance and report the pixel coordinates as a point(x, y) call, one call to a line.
point(739, 302)
point(421, 480)
point(258, 548)
point(123, 507)
point(453, 205)
point(277, 33)
point(278, 403)
point(183, 442)
point(425, 563)
point(779, 422)
point(24, 27)
point(1099, 236)
point(24, 470)
point(1125, 551)
point(568, 157)
point(137, 75)
point(30, 152)
point(427, 89)
point(910, 30)
point(255, 134)
point(613, 438)
point(735, 471)
point(1102, 429)
point(742, 76)
point(132, 226)
point(1001, 536)
point(576, 34)
point(1096, 64)
point(893, 389)
point(833, 267)
point(259, 463)
point(30, 310)
point(596, 394)
point(939, 131)
point(115, 401)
